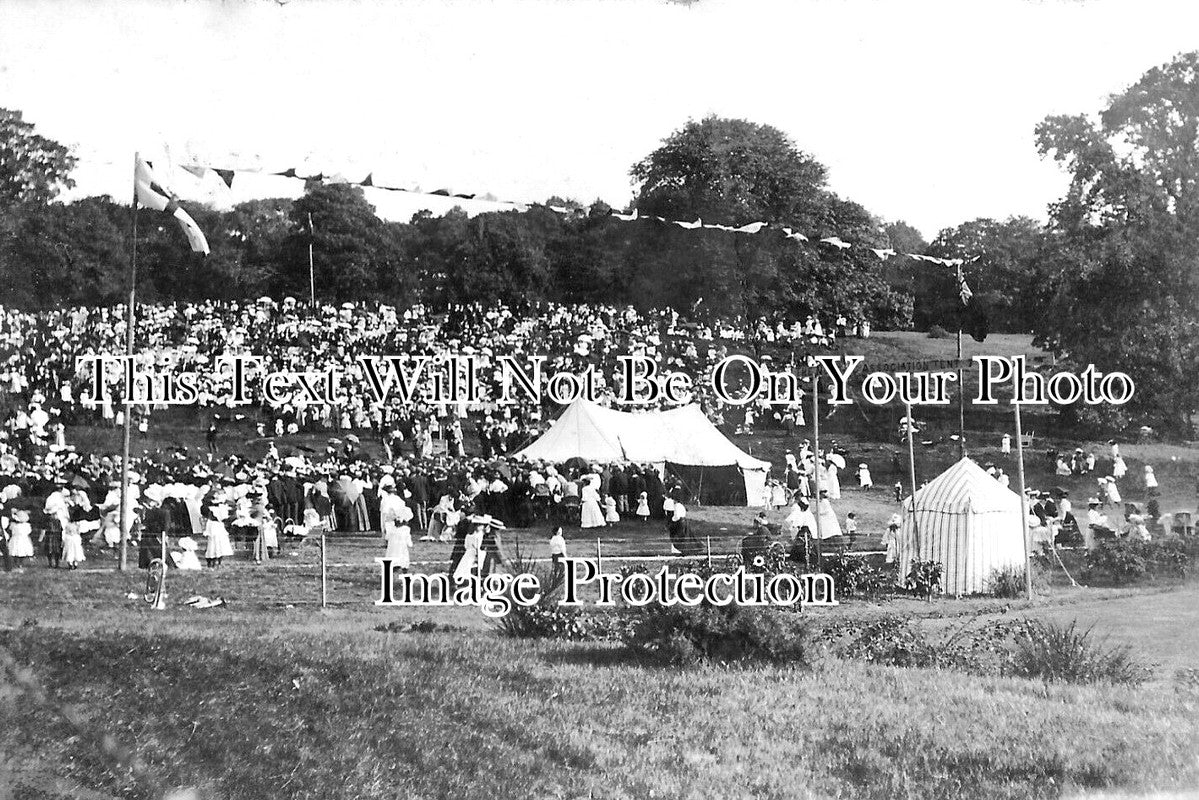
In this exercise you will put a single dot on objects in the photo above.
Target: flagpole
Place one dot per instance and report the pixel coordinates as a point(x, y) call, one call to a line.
point(961, 380)
point(311, 273)
point(816, 465)
point(127, 392)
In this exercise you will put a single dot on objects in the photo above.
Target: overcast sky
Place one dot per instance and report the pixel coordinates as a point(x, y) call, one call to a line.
point(922, 110)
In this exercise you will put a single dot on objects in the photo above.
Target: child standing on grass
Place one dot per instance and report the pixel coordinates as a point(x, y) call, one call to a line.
point(611, 516)
point(851, 528)
point(558, 554)
point(72, 545)
point(643, 507)
point(891, 542)
point(20, 538)
point(864, 479)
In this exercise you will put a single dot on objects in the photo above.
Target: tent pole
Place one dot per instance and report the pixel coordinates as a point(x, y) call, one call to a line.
point(912, 476)
point(1023, 503)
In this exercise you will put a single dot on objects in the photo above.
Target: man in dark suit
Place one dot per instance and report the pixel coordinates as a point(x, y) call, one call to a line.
point(618, 487)
point(655, 491)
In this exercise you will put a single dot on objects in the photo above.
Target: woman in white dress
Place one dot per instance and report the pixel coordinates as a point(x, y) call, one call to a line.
point(394, 515)
point(1113, 493)
point(215, 512)
point(1119, 468)
point(829, 524)
point(833, 483)
point(592, 516)
point(474, 546)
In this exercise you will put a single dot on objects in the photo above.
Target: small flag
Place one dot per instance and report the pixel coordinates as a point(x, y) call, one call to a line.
point(626, 217)
point(752, 227)
point(835, 242)
point(152, 194)
point(964, 290)
point(883, 253)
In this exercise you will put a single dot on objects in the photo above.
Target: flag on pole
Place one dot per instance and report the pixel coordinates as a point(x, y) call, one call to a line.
point(153, 193)
point(963, 290)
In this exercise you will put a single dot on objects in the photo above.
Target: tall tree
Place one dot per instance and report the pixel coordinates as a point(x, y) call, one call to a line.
point(734, 172)
point(1001, 271)
point(1121, 288)
point(32, 167)
point(350, 245)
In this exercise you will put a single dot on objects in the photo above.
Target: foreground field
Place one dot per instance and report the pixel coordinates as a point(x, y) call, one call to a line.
point(258, 700)
point(373, 715)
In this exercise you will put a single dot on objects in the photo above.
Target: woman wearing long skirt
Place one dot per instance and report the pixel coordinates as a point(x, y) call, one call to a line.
point(215, 512)
point(473, 546)
point(592, 516)
point(394, 515)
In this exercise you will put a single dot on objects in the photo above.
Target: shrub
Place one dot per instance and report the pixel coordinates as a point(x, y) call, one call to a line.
point(548, 620)
point(1123, 561)
point(924, 579)
point(727, 634)
point(897, 641)
point(937, 332)
point(853, 576)
point(1007, 582)
point(1056, 653)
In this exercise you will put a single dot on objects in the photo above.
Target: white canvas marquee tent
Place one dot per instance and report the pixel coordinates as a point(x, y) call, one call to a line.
point(966, 520)
point(678, 438)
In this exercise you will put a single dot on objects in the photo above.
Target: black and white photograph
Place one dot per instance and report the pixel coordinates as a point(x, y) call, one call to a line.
point(608, 399)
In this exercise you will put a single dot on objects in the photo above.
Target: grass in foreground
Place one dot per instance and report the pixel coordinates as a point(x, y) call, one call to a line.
point(241, 714)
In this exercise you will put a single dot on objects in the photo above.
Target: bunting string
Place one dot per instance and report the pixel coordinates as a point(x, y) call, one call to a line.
point(227, 176)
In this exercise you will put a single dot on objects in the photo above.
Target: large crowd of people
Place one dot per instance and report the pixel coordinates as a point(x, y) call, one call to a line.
point(426, 479)
point(60, 503)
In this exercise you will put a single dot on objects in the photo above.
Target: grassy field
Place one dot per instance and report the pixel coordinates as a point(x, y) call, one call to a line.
point(259, 699)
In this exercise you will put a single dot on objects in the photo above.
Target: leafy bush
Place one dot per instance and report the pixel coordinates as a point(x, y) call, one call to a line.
point(937, 332)
point(924, 579)
point(1007, 582)
point(1123, 561)
point(853, 576)
point(727, 634)
point(548, 620)
point(898, 641)
point(1062, 653)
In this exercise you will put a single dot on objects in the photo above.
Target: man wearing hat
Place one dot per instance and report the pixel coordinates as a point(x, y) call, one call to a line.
point(493, 547)
point(154, 527)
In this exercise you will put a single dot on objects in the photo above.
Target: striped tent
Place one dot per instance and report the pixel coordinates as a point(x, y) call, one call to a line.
point(967, 521)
